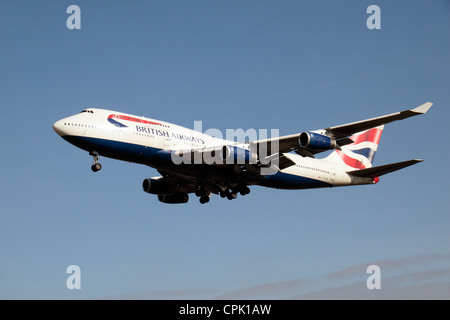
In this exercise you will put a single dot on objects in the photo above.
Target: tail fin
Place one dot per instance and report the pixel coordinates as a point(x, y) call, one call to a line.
point(360, 153)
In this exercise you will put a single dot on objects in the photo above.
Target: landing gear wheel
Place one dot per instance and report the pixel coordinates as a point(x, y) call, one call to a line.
point(96, 167)
point(244, 191)
point(223, 194)
point(232, 196)
point(199, 192)
point(204, 199)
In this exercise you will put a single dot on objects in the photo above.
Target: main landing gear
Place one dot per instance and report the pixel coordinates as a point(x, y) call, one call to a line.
point(204, 199)
point(232, 193)
point(229, 193)
point(96, 166)
point(204, 196)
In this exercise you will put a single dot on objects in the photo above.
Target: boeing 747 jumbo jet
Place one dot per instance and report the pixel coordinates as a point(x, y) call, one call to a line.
point(193, 162)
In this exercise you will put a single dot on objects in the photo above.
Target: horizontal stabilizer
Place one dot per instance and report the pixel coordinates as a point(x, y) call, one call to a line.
point(384, 169)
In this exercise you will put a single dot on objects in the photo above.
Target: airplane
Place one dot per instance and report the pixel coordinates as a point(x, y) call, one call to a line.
point(190, 161)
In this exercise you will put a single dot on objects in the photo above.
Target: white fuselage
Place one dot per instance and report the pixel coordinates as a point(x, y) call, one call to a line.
point(148, 141)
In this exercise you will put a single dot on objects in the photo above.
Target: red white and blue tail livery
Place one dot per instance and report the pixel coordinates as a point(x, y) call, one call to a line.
point(360, 153)
point(193, 162)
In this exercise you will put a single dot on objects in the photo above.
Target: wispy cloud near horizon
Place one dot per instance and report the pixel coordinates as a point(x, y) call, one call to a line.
point(424, 276)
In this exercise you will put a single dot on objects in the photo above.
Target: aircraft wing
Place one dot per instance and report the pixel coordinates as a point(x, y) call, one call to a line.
point(273, 149)
point(340, 133)
point(349, 129)
point(188, 184)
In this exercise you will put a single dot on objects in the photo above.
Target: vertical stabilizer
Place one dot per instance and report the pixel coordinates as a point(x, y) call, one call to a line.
point(360, 153)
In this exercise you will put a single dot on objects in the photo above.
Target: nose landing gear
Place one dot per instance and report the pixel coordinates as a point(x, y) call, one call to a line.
point(96, 166)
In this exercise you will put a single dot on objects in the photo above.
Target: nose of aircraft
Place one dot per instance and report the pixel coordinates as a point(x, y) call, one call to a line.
point(58, 126)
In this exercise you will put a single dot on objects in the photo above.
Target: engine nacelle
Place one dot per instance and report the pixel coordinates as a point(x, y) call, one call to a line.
point(317, 141)
point(157, 186)
point(238, 155)
point(177, 197)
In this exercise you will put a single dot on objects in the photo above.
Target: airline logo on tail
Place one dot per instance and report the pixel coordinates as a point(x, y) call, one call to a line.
point(360, 153)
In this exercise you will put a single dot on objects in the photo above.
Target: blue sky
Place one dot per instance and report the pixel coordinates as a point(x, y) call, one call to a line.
point(289, 65)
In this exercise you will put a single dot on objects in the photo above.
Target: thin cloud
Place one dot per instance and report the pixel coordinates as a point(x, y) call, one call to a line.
point(397, 287)
point(424, 282)
point(392, 264)
point(265, 289)
point(433, 290)
point(427, 284)
point(426, 275)
point(163, 295)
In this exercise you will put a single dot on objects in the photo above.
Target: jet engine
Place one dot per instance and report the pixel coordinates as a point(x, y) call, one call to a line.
point(317, 141)
point(157, 186)
point(177, 197)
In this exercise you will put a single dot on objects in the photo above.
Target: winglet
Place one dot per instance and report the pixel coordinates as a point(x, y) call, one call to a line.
point(423, 108)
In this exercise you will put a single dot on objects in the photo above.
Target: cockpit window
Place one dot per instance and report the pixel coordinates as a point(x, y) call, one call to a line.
point(86, 110)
